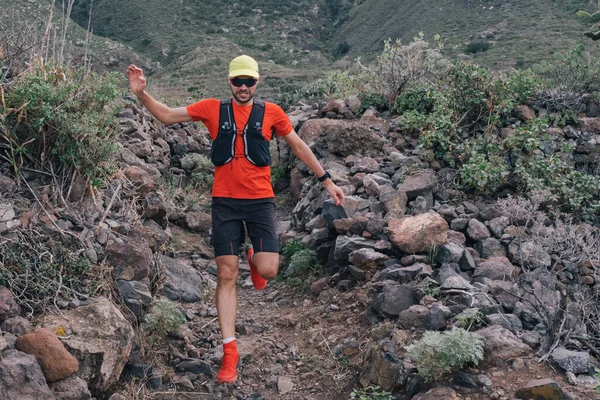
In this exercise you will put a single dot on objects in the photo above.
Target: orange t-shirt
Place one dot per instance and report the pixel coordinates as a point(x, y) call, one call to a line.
point(240, 179)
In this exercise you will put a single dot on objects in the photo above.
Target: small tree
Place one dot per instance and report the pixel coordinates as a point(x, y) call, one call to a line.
point(400, 66)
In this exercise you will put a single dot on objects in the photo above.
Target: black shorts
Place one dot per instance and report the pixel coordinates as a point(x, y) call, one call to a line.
point(229, 217)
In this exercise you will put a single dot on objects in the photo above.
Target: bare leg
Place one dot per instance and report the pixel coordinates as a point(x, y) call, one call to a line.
point(226, 294)
point(267, 264)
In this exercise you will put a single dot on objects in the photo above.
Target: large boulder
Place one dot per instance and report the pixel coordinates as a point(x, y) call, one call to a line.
point(500, 343)
point(21, 377)
point(341, 137)
point(99, 337)
point(421, 233)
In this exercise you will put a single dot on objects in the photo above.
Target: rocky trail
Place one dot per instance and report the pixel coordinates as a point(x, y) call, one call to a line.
point(300, 344)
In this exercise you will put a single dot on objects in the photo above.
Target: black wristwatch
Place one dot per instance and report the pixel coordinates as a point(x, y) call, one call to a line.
point(322, 179)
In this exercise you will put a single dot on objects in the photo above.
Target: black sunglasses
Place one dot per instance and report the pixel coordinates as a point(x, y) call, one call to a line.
point(238, 82)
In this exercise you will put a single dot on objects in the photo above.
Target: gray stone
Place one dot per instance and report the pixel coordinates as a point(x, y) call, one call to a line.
point(21, 377)
point(393, 300)
point(413, 317)
point(284, 384)
point(508, 321)
point(182, 283)
point(71, 388)
point(498, 225)
point(367, 258)
point(101, 340)
point(435, 320)
point(476, 230)
point(496, 268)
point(459, 224)
point(418, 184)
point(490, 247)
point(456, 282)
point(7, 212)
point(345, 245)
point(449, 253)
point(194, 366)
point(16, 325)
point(466, 262)
point(500, 343)
point(577, 362)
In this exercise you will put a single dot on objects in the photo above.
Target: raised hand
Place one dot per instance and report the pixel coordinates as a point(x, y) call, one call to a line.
point(137, 81)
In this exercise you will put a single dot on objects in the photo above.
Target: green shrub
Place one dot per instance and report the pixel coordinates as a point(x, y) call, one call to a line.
point(468, 318)
point(371, 393)
point(302, 262)
point(57, 115)
point(436, 354)
point(598, 380)
point(485, 172)
point(375, 100)
point(277, 172)
point(477, 47)
point(292, 248)
point(341, 49)
point(164, 318)
point(416, 99)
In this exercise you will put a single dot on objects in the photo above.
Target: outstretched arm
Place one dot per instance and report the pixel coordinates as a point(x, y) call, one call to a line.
point(163, 113)
point(303, 152)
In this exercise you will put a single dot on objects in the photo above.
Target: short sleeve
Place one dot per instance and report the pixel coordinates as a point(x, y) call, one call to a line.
point(281, 122)
point(203, 110)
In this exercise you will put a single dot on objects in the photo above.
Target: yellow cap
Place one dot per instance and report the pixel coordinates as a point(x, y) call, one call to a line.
point(243, 66)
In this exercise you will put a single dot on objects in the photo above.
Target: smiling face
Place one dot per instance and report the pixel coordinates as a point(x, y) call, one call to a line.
point(243, 88)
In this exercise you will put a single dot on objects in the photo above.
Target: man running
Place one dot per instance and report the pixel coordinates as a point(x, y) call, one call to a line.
point(242, 194)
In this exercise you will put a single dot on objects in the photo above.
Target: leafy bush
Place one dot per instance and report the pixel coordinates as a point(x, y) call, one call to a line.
point(416, 99)
point(401, 66)
point(436, 354)
point(164, 318)
point(375, 100)
point(292, 248)
point(302, 262)
point(598, 380)
point(53, 114)
point(477, 47)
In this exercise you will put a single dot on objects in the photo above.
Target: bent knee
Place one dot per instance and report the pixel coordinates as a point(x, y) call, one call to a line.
point(268, 272)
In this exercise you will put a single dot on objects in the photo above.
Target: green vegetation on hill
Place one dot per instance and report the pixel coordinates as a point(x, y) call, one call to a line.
point(517, 33)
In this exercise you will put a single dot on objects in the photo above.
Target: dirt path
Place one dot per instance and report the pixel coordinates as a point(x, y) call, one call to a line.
point(292, 345)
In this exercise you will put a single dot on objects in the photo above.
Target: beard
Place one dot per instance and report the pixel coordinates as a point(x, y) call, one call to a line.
point(236, 96)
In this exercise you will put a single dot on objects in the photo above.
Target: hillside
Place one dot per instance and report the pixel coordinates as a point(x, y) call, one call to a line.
point(191, 42)
point(519, 33)
point(23, 26)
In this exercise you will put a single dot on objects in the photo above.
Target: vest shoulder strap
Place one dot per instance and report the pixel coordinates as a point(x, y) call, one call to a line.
point(226, 115)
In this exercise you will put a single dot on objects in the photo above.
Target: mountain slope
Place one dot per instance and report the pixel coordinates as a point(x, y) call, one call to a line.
point(519, 33)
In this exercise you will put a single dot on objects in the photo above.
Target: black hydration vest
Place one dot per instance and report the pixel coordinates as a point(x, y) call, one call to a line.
point(256, 147)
